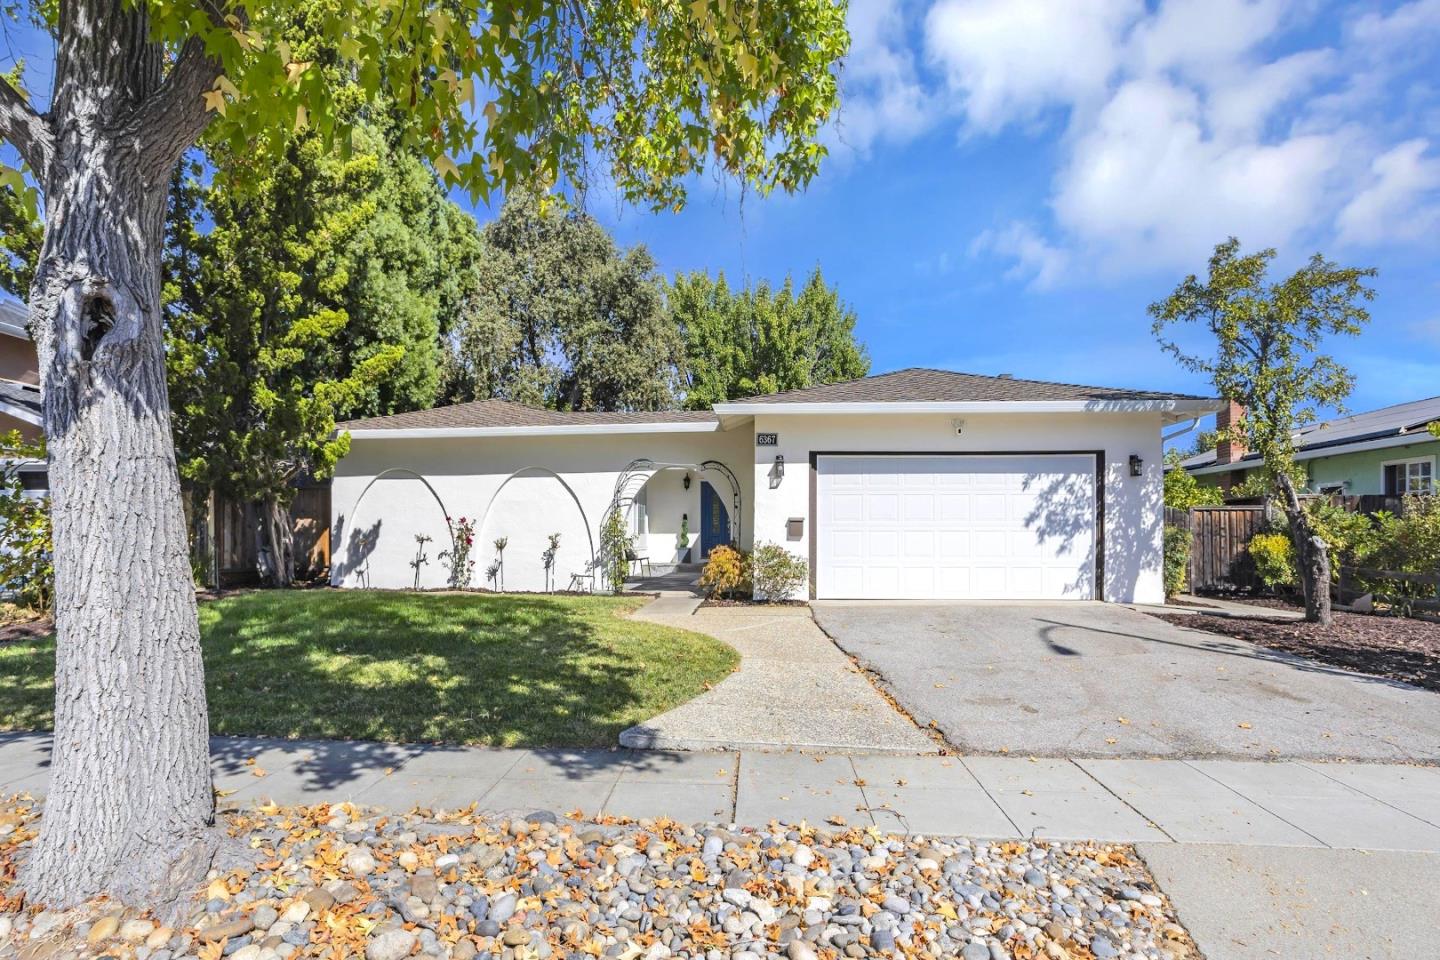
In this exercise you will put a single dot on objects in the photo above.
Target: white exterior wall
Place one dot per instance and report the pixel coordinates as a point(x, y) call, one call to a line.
point(1134, 506)
point(523, 488)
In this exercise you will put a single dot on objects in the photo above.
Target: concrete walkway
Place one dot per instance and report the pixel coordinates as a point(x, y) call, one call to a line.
point(1363, 806)
point(794, 689)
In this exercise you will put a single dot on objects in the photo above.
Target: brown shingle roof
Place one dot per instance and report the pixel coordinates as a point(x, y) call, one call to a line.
point(503, 413)
point(924, 385)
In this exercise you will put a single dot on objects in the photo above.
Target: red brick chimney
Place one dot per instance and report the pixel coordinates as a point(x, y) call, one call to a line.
point(1230, 447)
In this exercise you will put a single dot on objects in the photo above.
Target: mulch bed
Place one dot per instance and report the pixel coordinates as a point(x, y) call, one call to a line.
point(746, 602)
point(20, 630)
point(1394, 647)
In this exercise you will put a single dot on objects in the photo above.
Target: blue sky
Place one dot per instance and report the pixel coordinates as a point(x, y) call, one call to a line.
point(1013, 181)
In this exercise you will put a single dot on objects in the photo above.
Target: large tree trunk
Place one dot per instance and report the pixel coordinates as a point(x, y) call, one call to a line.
point(278, 531)
point(1312, 556)
point(130, 802)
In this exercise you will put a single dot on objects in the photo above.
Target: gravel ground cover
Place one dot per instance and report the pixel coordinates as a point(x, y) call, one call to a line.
point(1398, 648)
point(340, 881)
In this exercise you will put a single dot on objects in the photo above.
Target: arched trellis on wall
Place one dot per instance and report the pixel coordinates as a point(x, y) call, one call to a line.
point(638, 472)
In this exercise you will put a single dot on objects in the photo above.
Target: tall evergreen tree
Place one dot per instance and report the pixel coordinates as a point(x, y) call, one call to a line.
point(561, 317)
point(310, 293)
point(761, 340)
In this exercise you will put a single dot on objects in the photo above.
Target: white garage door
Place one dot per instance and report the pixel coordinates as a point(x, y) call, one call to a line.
point(956, 527)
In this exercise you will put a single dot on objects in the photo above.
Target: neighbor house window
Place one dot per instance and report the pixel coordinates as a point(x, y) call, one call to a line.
point(1410, 476)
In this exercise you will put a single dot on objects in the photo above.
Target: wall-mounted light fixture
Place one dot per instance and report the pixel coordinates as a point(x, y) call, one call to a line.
point(779, 466)
point(1136, 465)
point(687, 480)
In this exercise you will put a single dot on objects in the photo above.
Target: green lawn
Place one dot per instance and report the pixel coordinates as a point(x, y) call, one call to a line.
point(496, 669)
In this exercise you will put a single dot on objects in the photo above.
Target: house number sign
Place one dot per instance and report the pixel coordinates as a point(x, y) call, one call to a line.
point(766, 439)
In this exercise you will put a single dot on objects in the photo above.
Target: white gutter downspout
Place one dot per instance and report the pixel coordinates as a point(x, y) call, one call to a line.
point(1167, 437)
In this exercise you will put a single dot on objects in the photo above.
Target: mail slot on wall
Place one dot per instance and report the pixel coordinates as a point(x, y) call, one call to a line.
point(795, 528)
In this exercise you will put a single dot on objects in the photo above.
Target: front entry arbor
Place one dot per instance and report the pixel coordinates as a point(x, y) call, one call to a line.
point(638, 473)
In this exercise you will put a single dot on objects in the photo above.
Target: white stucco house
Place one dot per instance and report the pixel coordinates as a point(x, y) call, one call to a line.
point(917, 484)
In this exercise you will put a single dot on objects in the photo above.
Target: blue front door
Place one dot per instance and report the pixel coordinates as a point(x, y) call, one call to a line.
point(714, 520)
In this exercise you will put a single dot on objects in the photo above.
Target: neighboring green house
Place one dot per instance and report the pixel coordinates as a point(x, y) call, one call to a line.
point(1385, 452)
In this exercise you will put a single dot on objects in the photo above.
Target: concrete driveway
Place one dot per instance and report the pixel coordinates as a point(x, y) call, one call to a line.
point(1098, 680)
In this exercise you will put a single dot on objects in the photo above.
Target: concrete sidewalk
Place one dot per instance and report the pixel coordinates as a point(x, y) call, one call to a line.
point(1295, 804)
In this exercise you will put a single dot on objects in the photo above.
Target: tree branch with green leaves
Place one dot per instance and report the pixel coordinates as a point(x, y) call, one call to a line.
point(1262, 345)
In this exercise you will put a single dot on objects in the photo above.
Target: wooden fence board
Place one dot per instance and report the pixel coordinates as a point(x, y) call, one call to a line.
point(1219, 554)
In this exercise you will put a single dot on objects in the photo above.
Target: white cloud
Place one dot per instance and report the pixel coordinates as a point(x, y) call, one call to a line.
point(1035, 260)
point(1196, 35)
point(1147, 182)
point(1183, 128)
point(1008, 60)
point(882, 98)
point(1426, 331)
point(1401, 200)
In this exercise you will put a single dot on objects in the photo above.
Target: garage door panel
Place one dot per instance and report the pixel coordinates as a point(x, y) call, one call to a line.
point(882, 506)
point(882, 544)
point(848, 545)
point(882, 581)
point(848, 507)
point(919, 506)
point(954, 506)
point(989, 506)
point(963, 527)
point(919, 544)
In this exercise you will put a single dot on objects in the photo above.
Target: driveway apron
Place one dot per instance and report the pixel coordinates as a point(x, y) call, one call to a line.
point(793, 690)
point(1100, 680)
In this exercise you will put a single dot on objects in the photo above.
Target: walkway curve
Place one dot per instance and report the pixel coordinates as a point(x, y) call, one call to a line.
point(794, 690)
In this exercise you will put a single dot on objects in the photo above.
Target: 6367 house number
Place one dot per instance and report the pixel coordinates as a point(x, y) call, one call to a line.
point(767, 439)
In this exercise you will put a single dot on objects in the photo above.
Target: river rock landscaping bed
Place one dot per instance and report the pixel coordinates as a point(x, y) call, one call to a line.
point(340, 881)
point(1397, 648)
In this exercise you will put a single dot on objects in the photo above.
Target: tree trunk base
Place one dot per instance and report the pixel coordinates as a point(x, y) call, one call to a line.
point(164, 877)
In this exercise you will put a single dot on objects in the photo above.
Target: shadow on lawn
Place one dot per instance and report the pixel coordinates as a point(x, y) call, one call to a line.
point(493, 670)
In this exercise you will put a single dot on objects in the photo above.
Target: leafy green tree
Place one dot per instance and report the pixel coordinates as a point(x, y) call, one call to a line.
point(652, 92)
point(1182, 490)
point(21, 231)
point(306, 295)
point(559, 317)
point(762, 340)
point(1267, 356)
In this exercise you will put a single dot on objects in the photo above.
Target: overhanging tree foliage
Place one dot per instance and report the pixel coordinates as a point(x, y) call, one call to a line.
point(558, 316)
point(761, 340)
point(496, 95)
point(1267, 337)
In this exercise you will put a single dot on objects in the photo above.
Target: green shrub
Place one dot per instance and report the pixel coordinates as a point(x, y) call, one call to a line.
point(616, 545)
point(1177, 559)
point(1183, 491)
point(27, 558)
point(775, 572)
point(1274, 558)
point(1409, 543)
point(1352, 537)
point(724, 571)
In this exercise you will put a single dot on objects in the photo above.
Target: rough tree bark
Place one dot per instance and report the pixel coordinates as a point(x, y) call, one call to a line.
point(1311, 553)
point(277, 531)
point(130, 802)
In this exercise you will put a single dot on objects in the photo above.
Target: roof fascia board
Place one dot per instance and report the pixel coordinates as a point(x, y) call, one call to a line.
point(558, 430)
point(970, 406)
point(1337, 450)
point(21, 413)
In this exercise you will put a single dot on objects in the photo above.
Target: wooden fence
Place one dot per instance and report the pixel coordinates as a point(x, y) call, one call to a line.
point(1219, 556)
point(1409, 592)
point(237, 541)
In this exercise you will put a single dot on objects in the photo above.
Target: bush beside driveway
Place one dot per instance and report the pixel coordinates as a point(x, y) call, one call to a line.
point(1098, 680)
point(486, 669)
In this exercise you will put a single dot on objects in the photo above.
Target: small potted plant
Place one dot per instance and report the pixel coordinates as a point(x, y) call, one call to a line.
point(682, 539)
